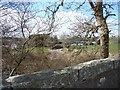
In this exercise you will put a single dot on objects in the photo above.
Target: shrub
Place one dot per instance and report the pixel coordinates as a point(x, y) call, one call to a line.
point(57, 46)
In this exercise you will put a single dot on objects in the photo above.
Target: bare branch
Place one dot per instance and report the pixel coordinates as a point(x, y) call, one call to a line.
point(109, 15)
point(80, 5)
point(91, 4)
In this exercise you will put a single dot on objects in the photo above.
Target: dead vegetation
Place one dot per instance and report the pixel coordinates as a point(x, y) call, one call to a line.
point(53, 59)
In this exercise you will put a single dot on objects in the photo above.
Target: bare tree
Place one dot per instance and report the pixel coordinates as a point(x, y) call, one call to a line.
point(51, 11)
point(84, 28)
point(101, 13)
point(18, 20)
point(24, 23)
point(17, 25)
point(101, 22)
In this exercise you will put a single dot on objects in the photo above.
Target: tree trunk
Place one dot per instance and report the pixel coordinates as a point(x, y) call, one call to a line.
point(104, 38)
point(104, 31)
point(102, 25)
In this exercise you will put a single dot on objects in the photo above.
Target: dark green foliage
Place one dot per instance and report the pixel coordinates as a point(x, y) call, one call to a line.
point(57, 46)
point(40, 40)
point(43, 40)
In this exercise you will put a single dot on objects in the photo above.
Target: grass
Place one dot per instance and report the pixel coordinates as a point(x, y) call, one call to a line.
point(37, 50)
point(88, 47)
point(113, 48)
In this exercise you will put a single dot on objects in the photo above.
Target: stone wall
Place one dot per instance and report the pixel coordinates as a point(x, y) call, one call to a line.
point(93, 74)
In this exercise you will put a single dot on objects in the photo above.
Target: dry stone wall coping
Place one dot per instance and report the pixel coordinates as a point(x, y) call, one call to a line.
point(66, 77)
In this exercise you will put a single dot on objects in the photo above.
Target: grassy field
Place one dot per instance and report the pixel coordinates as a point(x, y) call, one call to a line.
point(113, 48)
point(113, 45)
